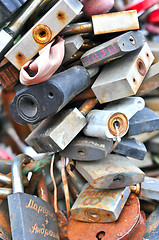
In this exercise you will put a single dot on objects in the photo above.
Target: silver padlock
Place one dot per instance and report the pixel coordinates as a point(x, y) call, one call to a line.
point(123, 77)
point(112, 172)
point(43, 31)
point(113, 121)
point(94, 205)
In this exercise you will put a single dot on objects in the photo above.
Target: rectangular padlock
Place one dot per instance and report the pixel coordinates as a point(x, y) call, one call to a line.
point(34, 103)
point(87, 149)
point(143, 121)
point(11, 32)
point(115, 48)
point(55, 133)
point(94, 205)
point(43, 31)
point(112, 172)
point(123, 77)
point(33, 216)
point(151, 81)
point(72, 45)
point(113, 121)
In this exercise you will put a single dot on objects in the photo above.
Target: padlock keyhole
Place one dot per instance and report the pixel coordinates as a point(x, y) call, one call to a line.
point(100, 235)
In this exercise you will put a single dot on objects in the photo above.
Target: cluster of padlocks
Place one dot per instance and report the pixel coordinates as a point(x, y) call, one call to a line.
point(79, 84)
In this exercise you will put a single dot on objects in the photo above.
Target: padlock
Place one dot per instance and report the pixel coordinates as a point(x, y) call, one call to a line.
point(9, 33)
point(87, 149)
point(7, 8)
point(153, 17)
point(5, 230)
point(5, 165)
point(153, 145)
point(94, 205)
point(129, 219)
point(42, 222)
point(123, 77)
point(43, 31)
point(34, 103)
point(112, 172)
point(72, 45)
point(150, 82)
point(148, 190)
point(58, 131)
point(113, 121)
point(131, 148)
point(100, 24)
point(143, 121)
point(152, 225)
point(115, 48)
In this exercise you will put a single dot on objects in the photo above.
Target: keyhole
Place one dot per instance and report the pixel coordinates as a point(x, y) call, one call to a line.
point(100, 235)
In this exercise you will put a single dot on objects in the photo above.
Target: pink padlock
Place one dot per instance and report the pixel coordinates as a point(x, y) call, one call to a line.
point(93, 7)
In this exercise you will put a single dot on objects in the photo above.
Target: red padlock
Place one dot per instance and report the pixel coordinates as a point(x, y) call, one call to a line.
point(154, 17)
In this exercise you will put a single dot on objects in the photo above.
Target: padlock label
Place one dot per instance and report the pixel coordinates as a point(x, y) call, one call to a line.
point(100, 54)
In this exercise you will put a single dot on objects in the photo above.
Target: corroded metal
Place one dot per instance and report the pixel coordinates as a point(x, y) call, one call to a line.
point(112, 172)
point(112, 231)
point(100, 206)
point(5, 230)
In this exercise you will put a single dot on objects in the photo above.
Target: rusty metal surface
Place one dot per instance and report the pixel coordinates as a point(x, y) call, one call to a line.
point(33, 183)
point(5, 230)
point(138, 230)
point(77, 28)
point(112, 231)
point(99, 206)
point(42, 189)
point(9, 75)
point(88, 105)
point(113, 172)
point(62, 220)
point(115, 22)
point(4, 192)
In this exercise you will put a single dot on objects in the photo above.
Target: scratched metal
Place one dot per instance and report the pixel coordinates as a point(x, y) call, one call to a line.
point(87, 149)
point(143, 121)
point(5, 230)
point(115, 82)
point(152, 225)
point(113, 49)
point(150, 189)
point(60, 14)
point(112, 172)
point(56, 132)
point(132, 148)
point(94, 205)
point(104, 231)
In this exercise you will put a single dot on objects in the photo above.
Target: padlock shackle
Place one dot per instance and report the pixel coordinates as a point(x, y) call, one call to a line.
point(17, 181)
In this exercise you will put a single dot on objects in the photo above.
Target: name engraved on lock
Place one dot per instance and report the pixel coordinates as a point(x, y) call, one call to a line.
point(41, 226)
point(100, 55)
